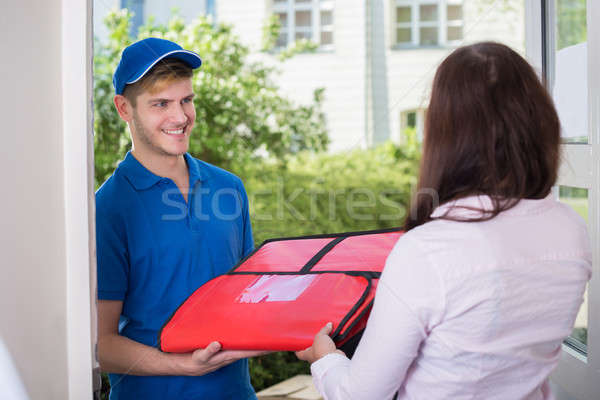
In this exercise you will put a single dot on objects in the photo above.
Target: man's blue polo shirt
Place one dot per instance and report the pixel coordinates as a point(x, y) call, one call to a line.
point(154, 250)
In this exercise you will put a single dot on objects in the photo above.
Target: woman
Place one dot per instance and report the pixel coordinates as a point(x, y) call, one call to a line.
point(478, 295)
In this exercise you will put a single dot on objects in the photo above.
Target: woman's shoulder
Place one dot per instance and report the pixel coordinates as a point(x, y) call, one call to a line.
point(531, 229)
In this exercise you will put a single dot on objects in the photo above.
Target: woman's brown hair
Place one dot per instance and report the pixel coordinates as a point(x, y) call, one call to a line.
point(491, 129)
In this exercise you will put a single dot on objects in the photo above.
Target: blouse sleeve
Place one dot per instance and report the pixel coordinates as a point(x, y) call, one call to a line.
point(408, 303)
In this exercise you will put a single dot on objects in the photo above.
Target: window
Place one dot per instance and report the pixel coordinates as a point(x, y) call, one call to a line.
point(412, 122)
point(428, 23)
point(570, 91)
point(305, 19)
point(568, 54)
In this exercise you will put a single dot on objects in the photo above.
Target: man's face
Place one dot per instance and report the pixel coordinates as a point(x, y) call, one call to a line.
point(163, 120)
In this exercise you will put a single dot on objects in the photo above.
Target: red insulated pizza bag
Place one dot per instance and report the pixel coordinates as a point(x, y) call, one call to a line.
point(279, 296)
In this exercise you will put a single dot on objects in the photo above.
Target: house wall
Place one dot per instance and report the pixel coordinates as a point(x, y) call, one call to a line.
point(341, 71)
point(368, 83)
point(410, 72)
point(39, 272)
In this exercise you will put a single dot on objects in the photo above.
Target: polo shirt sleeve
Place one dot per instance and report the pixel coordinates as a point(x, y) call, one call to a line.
point(111, 256)
point(247, 241)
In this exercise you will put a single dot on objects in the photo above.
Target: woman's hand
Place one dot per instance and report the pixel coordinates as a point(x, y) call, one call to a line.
point(322, 345)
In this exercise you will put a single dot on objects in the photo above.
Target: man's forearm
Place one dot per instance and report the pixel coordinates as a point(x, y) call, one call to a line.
point(118, 354)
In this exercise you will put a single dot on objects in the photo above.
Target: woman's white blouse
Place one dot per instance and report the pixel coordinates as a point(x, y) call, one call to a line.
point(470, 310)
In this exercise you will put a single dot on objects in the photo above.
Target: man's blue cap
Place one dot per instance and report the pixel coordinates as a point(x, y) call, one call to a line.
point(137, 59)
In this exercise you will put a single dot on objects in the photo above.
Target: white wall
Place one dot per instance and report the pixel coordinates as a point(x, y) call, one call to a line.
point(410, 72)
point(368, 82)
point(36, 258)
point(247, 18)
point(341, 71)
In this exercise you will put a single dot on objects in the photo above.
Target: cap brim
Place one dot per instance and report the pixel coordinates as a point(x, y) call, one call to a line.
point(188, 57)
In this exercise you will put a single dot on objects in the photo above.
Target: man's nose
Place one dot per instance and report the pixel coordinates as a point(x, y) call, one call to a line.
point(178, 115)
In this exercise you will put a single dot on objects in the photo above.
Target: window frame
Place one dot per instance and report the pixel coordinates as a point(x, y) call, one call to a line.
point(419, 127)
point(442, 24)
point(315, 29)
point(577, 375)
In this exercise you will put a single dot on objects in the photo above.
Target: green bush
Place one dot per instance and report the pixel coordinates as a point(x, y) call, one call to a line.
point(327, 193)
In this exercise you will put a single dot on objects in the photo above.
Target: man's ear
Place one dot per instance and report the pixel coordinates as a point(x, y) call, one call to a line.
point(124, 107)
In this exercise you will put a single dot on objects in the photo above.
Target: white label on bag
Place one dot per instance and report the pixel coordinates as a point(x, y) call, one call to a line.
point(275, 288)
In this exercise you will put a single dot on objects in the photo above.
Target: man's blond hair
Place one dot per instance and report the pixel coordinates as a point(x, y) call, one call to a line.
point(161, 75)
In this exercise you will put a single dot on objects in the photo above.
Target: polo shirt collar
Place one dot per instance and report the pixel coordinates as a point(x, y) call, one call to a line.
point(196, 173)
point(141, 178)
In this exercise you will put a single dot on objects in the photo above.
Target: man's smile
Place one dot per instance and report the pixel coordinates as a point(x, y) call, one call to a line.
point(175, 132)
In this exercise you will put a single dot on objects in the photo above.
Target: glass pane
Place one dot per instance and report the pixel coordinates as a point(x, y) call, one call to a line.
point(403, 14)
point(303, 18)
point(404, 35)
point(571, 24)
point(411, 119)
point(570, 70)
point(326, 37)
point(326, 18)
point(303, 1)
point(303, 35)
point(429, 36)
point(282, 19)
point(454, 13)
point(280, 1)
point(454, 33)
point(577, 199)
point(428, 13)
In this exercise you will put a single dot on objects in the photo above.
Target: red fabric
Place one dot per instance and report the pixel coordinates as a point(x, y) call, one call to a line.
point(359, 253)
point(359, 319)
point(212, 313)
point(255, 308)
point(284, 255)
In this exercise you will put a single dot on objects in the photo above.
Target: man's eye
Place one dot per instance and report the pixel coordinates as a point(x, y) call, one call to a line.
point(187, 101)
point(161, 104)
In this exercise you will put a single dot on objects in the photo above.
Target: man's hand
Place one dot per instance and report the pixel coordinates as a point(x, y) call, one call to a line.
point(322, 345)
point(211, 358)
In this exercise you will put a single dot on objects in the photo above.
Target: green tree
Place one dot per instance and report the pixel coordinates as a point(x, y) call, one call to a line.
point(241, 116)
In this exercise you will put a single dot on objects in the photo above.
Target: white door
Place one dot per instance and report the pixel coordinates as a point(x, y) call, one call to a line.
point(564, 42)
